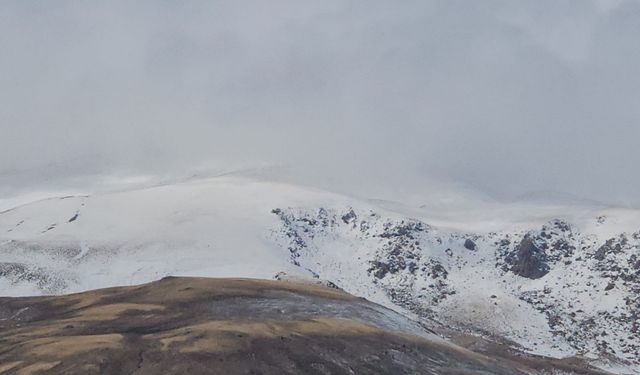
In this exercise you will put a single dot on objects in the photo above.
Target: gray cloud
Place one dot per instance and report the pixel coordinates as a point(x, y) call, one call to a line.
point(501, 96)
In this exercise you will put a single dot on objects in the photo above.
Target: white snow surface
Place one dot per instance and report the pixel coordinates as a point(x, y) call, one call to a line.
point(215, 227)
point(226, 227)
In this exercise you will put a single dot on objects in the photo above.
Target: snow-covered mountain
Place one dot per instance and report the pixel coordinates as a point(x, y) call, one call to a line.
point(556, 280)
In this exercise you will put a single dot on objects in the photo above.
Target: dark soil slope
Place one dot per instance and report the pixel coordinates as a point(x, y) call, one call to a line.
point(227, 326)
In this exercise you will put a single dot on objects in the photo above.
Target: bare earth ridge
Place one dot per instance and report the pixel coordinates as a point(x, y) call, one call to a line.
point(237, 326)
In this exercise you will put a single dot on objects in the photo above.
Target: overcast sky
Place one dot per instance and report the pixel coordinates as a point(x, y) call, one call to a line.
point(505, 97)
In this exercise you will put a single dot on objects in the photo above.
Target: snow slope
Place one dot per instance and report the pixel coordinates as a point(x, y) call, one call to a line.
point(557, 280)
point(199, 228)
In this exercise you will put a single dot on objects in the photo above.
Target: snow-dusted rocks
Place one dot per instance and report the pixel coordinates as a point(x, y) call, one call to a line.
point(554, 285)
point(529, 261)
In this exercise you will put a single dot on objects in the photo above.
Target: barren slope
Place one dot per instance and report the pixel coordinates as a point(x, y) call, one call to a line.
point(198, 325)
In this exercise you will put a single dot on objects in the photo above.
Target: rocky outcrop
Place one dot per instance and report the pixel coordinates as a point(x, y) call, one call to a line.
point(470, 245)
point(427, 270)
point(529, 260)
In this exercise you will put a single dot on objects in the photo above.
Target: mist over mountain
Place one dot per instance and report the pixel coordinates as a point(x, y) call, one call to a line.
point(420, 186)
point(499, 97)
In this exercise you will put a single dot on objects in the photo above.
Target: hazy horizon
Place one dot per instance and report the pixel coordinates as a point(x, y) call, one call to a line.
point(499, 98)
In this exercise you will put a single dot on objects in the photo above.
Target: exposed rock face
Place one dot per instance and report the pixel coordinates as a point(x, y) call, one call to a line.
point(537, 251)
point(234, 326)
point(469, 244)
point(530, 261)
point(612, 246)
point(349, 217)
point(552, 273)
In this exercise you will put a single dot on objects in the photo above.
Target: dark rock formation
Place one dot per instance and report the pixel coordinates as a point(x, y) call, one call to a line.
point(612, 245)
point(349, 217)
point(470, 245)
point(530, 261)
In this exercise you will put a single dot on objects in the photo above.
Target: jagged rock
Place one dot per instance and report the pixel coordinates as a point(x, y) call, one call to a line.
point(530, 261)
point(437, 270)
point(405, 229)
point(349, 217)
point(380, 269)
point(470, 245)
point(612, 245)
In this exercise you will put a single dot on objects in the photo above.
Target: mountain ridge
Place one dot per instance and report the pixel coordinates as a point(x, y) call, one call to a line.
point(201, 325)
point(189, 229)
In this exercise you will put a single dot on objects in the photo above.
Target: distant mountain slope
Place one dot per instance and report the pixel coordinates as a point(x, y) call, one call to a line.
point(557, 280)
point(233, 326)
point(553, 289)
